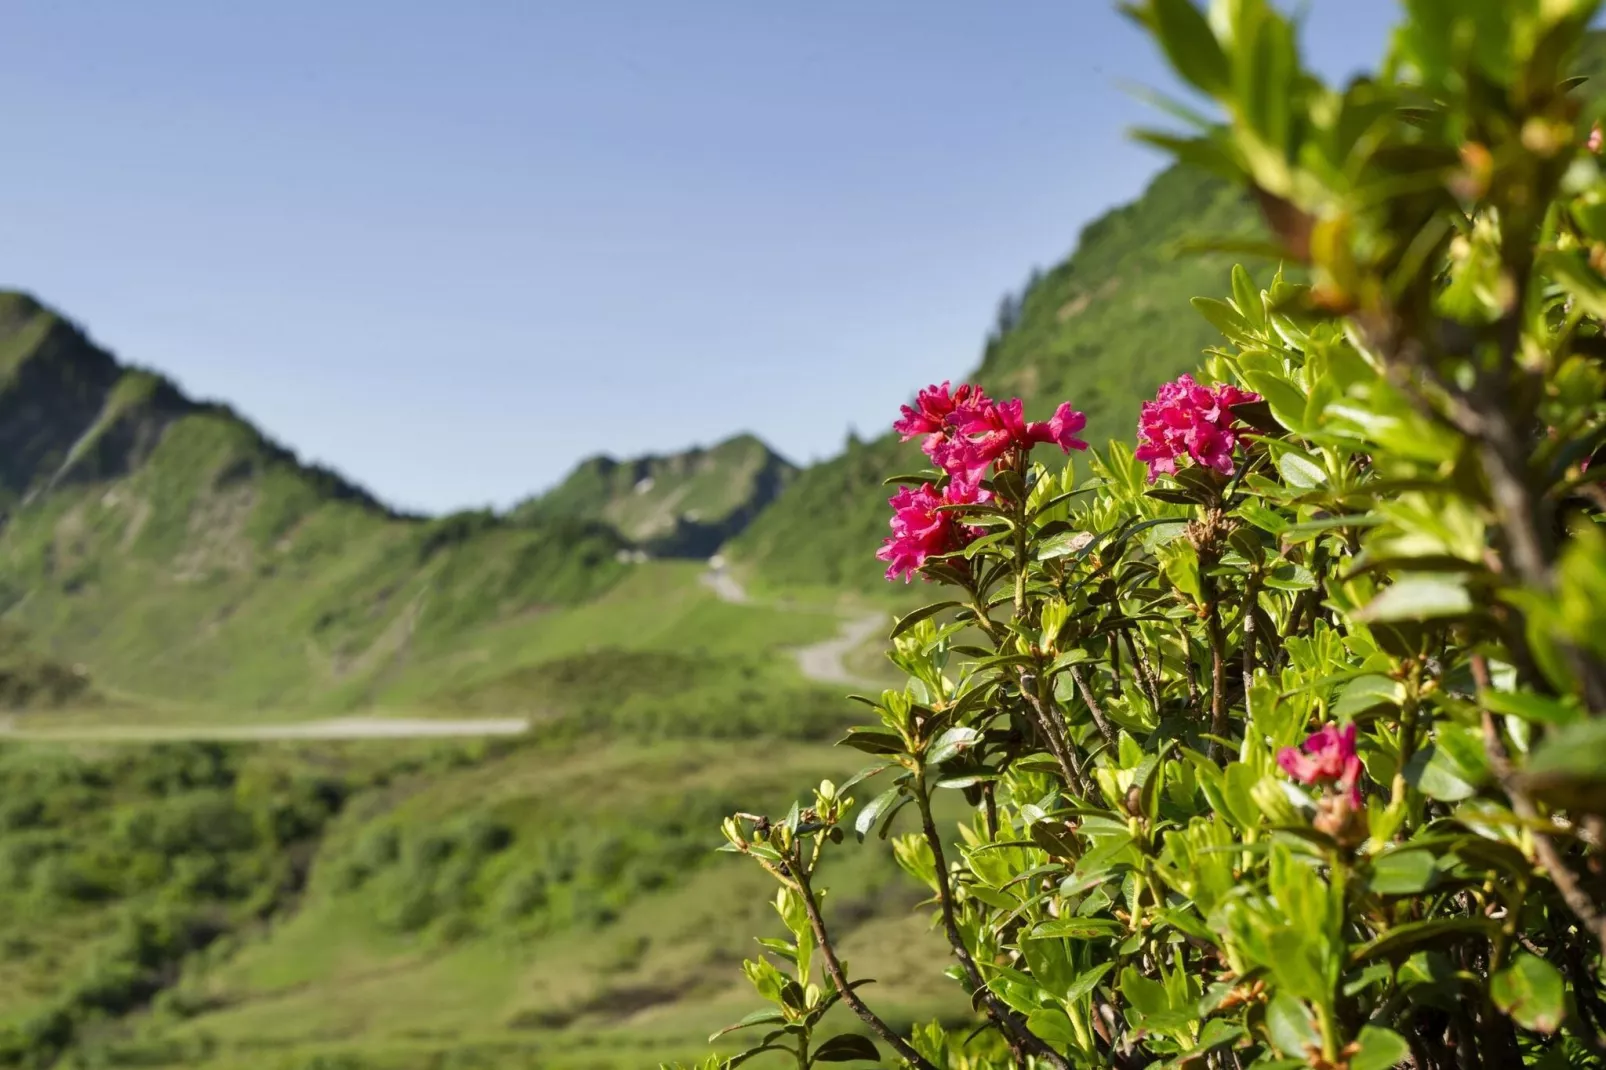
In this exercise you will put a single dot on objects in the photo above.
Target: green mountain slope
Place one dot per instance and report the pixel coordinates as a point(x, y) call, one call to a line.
point(1102, 330)
point(680, 505)
point(179, 553)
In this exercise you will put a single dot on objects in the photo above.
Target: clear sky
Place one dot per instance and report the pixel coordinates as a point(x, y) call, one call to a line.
point(449, 249)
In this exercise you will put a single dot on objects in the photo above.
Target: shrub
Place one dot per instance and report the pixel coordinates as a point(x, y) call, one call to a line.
point(1283, 735)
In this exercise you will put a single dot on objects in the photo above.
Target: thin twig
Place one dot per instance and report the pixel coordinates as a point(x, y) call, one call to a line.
point(1093, 707)
point(833, 969)
point(1144, 670)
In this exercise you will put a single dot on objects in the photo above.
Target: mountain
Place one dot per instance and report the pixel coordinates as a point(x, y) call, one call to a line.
point(179, 552)
point(1102, 329)
point(681, 505)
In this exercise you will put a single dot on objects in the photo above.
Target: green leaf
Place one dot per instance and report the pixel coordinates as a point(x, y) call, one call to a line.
point(1223, 317)
point(1087, 981)
point(912, 478)
point(1532, 991)
point(1300, 472)
point(1288, 406)
point(1403, 872)
point(1538, 709)
point(1189, 43)
point(1380, 1049)
point(1052, 1025)
point(1290, 1026)
point(1569, 769)
point(1075, 929)
point(1246, 295)
point(1429, 596)
point(1307, 529)
point(1145, 996)
point(861, 776)
point(1063, 545)
point(872, 742)
point(1289, 577)
point(951, 743)
point(1413, 934)
point(756, 1018)
point(876, 807)
point(1432, 772)
point(1367, 693)
point(915, 616)
point(847, 1048)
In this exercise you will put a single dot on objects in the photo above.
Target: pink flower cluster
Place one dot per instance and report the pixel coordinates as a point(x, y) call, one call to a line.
point(1328, 757)
point(1192, 421)
point(921, 528)
point(965, 431)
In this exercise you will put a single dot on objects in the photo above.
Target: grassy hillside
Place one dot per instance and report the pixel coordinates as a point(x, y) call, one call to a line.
point(1102, 330)
point(553, 902)
point(679, 505)
point(179, 553)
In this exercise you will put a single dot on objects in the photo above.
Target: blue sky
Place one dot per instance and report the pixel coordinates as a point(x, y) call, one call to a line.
point(451, 249)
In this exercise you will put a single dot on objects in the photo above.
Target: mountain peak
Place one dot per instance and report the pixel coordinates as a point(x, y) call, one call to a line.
point(684, 504)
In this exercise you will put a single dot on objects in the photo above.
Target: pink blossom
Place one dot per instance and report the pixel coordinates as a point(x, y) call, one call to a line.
point(987, 432)
point(1596, 139)
point(934, 412)
point(922, 528)
point(1192, 421)
point(1328, 756)
point(966, 431)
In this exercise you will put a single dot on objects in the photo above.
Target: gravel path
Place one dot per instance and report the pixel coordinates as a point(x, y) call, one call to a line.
point(824, 662)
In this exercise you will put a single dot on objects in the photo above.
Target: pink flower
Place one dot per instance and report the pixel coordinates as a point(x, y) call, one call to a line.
point(987, 432)
point(934, 412)
point(1192, 421)
point(1328, 757)
point(1596, 139)
point(965, 430)
point(922, 528)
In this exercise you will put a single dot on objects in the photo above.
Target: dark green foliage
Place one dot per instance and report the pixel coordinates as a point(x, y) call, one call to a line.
point(151, 854)
point(28, 679)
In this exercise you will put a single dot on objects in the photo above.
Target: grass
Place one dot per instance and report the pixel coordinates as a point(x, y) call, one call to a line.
point(551, 903)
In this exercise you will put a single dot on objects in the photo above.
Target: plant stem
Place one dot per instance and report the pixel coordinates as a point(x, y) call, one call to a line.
point(833, 969)
point(1144, 670)
point(1001, 1014)
point(1218, 680)
point(1408, 712)
point(1093, 707)
point(1251, 595)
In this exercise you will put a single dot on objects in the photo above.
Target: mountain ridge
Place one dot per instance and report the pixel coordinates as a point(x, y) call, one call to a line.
point(682, 504)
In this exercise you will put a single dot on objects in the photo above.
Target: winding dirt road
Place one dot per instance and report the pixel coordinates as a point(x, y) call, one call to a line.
point(823, 662)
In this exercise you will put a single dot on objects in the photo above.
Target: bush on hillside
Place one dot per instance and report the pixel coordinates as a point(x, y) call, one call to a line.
point(1285, 734)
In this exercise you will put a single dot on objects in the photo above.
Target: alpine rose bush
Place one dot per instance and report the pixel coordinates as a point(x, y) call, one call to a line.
point(1280, 732)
